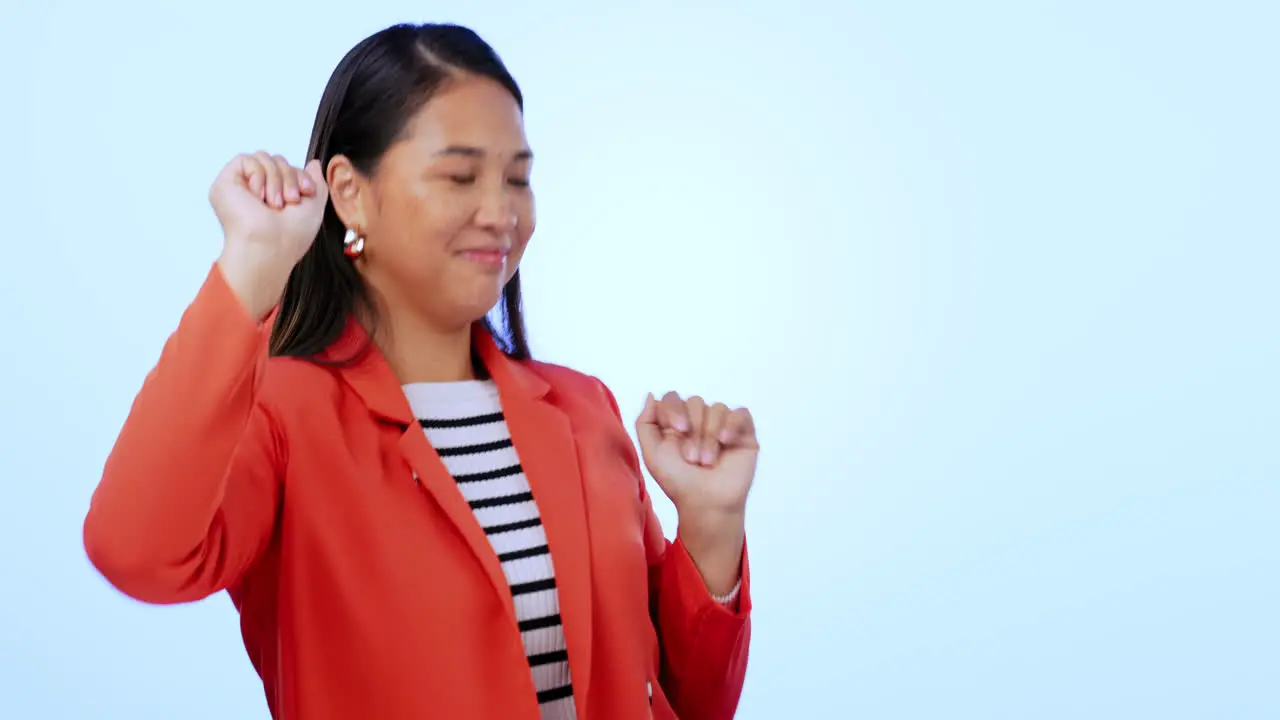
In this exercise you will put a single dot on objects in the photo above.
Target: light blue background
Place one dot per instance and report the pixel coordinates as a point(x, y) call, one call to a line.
point(998, 279)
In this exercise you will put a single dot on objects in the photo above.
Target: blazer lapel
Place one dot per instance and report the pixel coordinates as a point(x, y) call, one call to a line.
point(433, 476)
point(371, 377)
point(544, 441)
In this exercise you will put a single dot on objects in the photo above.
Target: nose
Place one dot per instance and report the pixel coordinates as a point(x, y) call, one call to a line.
point(496, 212)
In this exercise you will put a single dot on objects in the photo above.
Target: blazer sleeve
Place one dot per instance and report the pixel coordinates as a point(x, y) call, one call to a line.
point(704, 643)
point(191, 490)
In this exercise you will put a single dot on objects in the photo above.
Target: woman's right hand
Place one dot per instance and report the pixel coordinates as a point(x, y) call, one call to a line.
point(270, 212)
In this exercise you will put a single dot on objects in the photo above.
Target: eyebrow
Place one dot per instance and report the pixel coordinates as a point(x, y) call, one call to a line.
point(475, 152)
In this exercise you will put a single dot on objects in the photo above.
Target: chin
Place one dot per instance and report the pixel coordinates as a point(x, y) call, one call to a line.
point(477, 305)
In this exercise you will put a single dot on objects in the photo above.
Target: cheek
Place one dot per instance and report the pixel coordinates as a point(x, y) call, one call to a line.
point(440, 216)
point(528, 215)
point(525, 223)
point(419, 227)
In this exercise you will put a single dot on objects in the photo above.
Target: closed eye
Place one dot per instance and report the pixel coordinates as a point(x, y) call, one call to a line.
point(463, 179)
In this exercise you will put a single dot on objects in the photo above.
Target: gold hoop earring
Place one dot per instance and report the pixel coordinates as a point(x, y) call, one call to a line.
point(353, 244)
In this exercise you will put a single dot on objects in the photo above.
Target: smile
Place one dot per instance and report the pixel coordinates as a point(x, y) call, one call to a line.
point(488, 258)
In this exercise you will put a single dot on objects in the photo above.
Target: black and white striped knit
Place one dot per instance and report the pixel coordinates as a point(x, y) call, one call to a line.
point(464, 423)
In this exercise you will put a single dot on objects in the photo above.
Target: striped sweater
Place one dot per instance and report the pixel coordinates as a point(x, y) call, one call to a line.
point(464, 423)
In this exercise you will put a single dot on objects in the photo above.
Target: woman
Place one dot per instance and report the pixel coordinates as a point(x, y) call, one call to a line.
point(413, 518)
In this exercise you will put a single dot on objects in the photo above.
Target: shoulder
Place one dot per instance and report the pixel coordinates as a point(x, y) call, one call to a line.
point(563, 378)
point(288, 383)
point(574, 386)
point(591, 408)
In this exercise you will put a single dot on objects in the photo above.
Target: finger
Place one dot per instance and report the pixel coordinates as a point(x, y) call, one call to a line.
point(739, 429)
point(288, 180)
point(712, 426)
point(274, 194)
point(252, 176)
point(671, 413)
point(696, 408)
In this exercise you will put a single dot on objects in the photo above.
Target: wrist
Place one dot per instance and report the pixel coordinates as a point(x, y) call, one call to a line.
point(712, 526)
point(256, 284)
point(715, 544)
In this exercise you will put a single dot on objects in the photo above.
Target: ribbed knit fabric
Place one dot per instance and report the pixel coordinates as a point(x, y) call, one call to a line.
point(464, 423)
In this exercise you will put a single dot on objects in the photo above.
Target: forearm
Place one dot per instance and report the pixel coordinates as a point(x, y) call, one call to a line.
point(149, 522)
point(256, 279)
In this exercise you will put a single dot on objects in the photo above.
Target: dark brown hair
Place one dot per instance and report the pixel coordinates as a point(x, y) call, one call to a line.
point(372, 95)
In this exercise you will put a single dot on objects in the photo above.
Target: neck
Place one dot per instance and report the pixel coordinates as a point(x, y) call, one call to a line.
point(419, 352)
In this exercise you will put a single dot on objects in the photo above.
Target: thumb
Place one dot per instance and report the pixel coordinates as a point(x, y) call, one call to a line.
point(648, 434)
point(231, 183)
point(315, 171)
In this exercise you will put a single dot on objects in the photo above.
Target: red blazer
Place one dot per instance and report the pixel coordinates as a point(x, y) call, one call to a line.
point(365, 594)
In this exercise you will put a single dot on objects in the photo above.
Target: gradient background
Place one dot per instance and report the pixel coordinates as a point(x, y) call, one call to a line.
point(998, 280)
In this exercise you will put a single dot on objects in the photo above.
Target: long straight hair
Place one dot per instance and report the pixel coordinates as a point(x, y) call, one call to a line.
point(366, 107)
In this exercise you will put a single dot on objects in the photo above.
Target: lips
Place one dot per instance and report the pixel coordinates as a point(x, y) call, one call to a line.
point(488, 257)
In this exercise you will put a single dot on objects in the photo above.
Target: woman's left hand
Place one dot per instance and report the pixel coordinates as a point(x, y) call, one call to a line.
point(702, 455)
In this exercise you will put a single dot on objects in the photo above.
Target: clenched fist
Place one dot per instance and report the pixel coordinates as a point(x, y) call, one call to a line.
point(702, 455)
point(270, 212)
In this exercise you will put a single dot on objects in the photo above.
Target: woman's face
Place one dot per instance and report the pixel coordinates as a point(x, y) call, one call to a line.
point(448, 212)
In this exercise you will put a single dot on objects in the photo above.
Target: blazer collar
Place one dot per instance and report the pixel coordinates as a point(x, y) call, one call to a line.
point(366, 370)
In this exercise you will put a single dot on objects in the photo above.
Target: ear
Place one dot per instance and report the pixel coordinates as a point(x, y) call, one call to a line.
point(348, 191)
